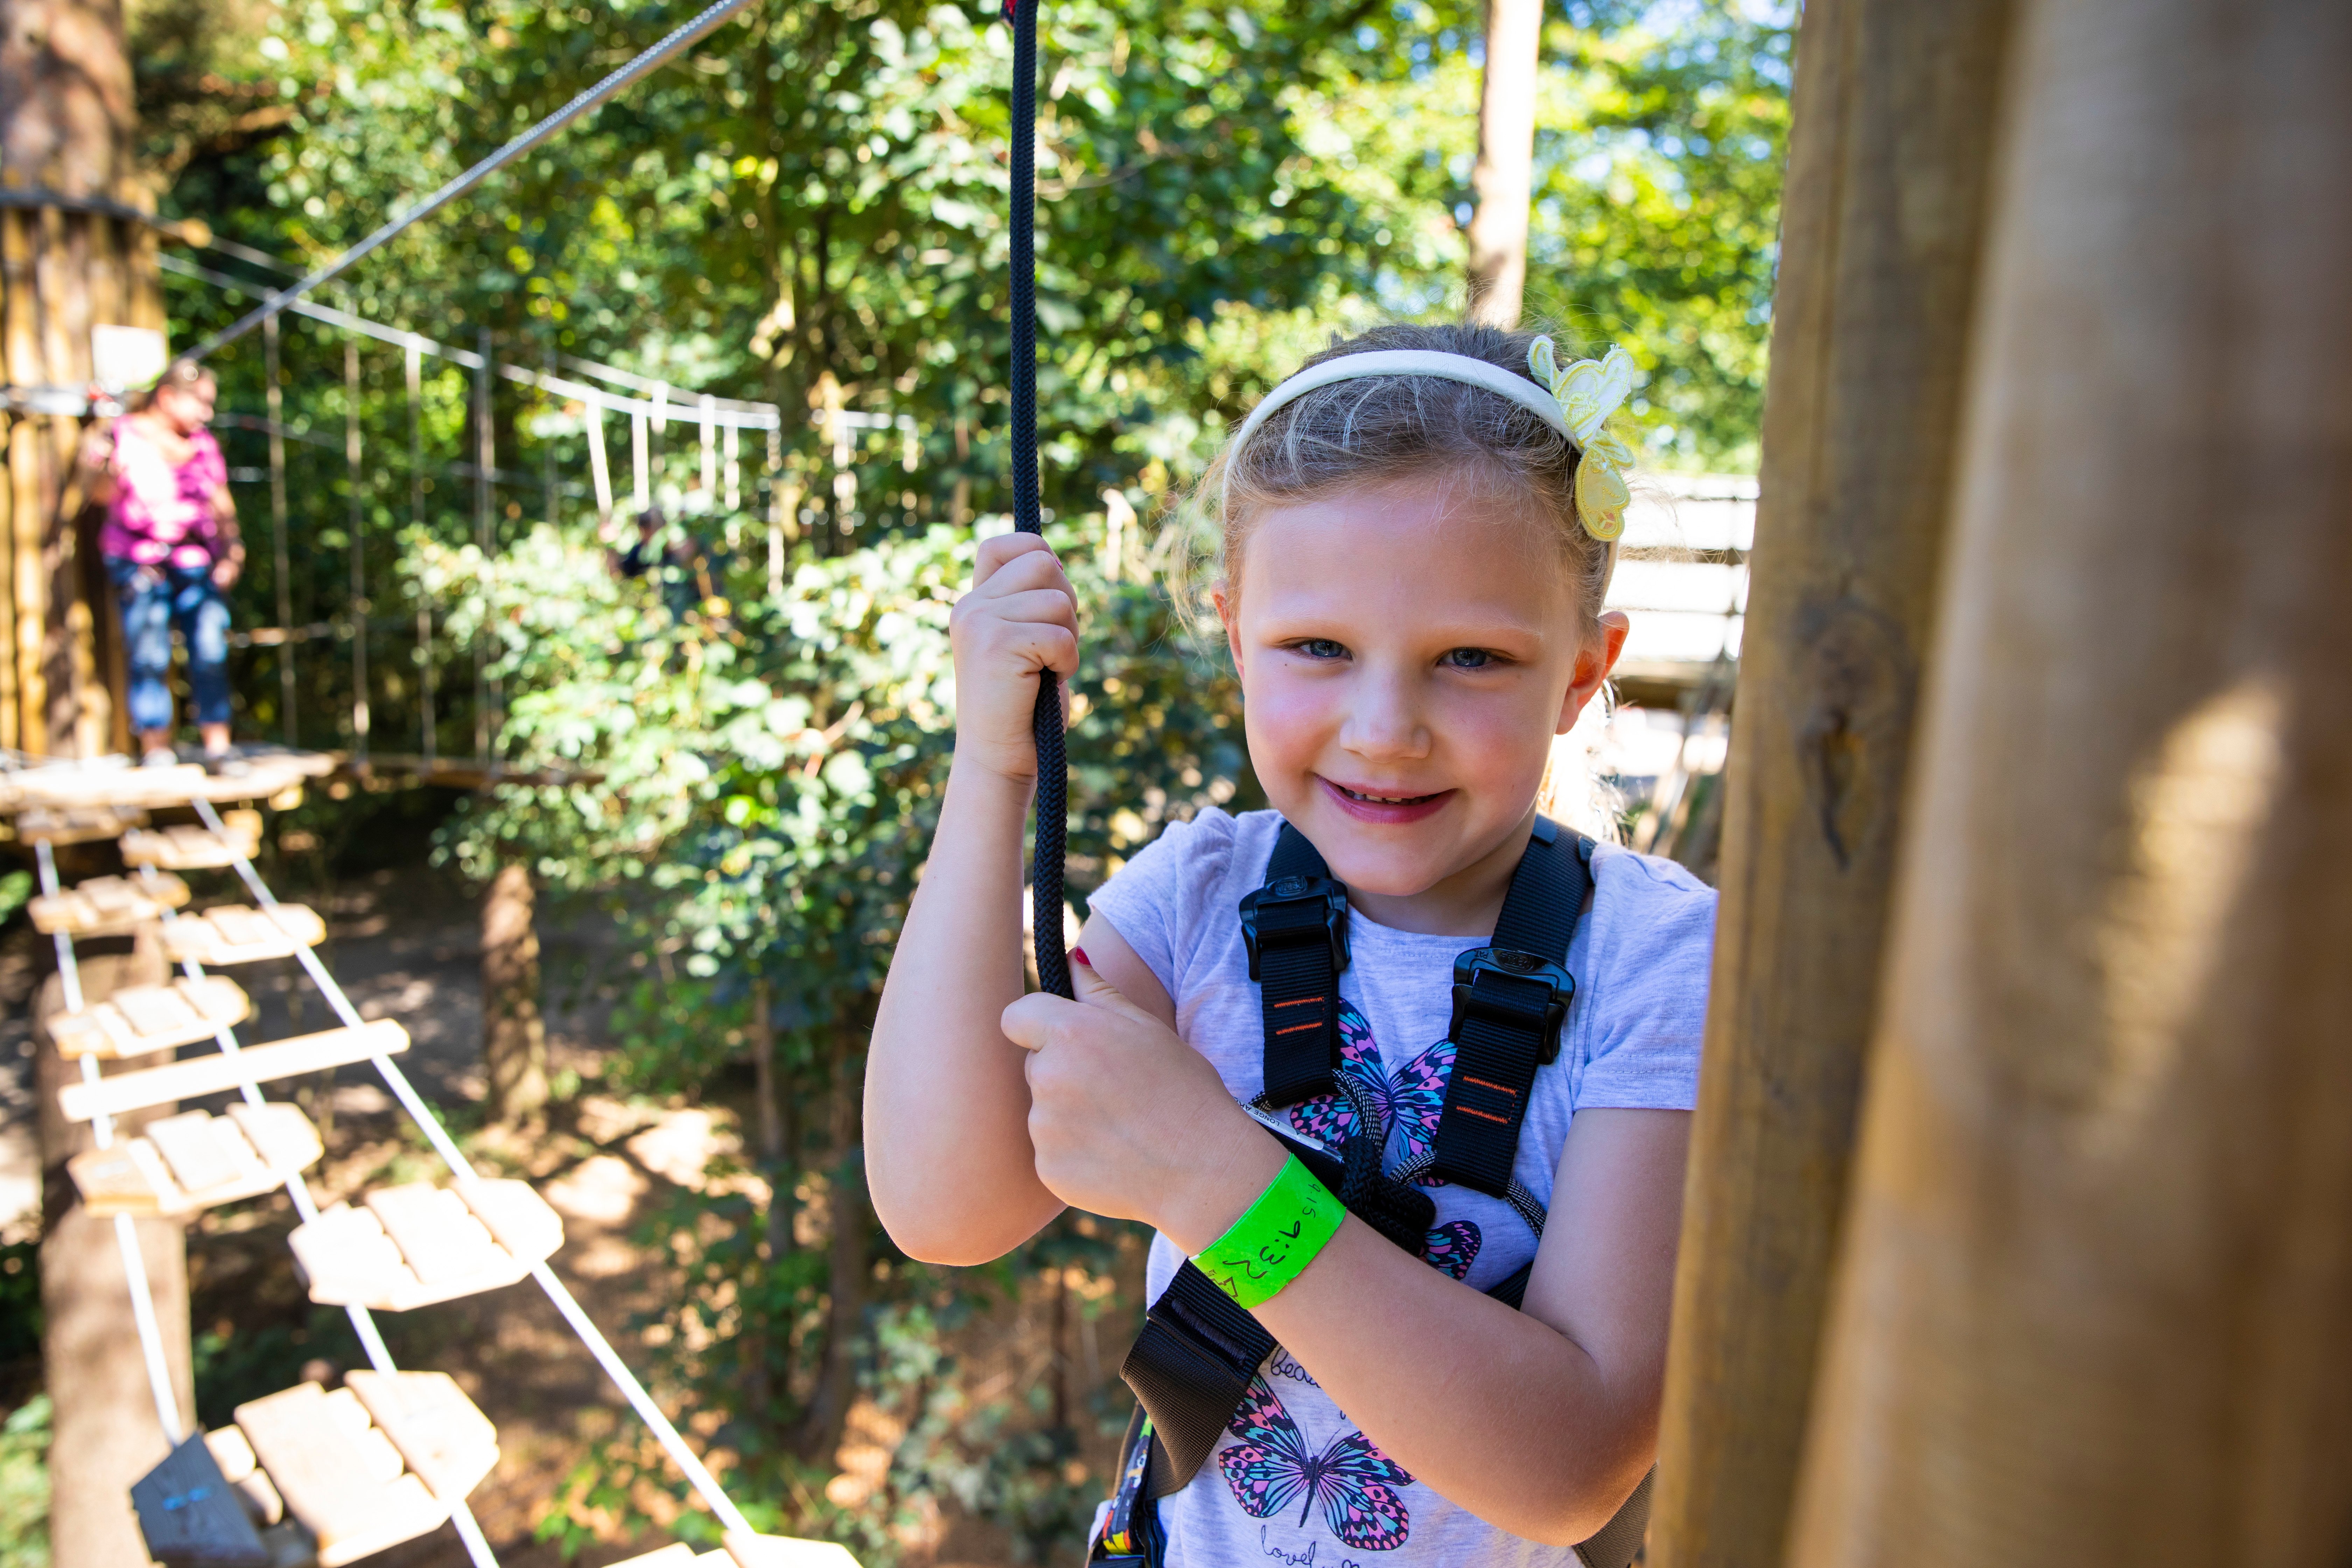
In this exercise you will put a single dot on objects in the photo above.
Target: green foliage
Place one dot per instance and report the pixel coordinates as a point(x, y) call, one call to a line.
point(24, 1486)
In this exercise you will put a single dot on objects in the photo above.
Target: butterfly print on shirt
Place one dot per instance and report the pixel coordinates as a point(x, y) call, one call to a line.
point(1409, 1101)
point(1272, 1467)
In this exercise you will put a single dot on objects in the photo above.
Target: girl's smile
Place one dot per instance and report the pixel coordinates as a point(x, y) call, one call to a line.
point(1407, 652)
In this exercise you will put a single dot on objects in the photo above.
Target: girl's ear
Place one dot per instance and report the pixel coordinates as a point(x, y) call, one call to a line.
point(1594, 660)
point(1229, 611)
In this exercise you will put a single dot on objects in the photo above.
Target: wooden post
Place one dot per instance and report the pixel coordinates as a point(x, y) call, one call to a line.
point(514, 1036)
point(1504, 177)
point(67, 124)
point(357, 522)
point(2093, 1299)
point(106, 1435)
point(281, 563)
point(1880, 233)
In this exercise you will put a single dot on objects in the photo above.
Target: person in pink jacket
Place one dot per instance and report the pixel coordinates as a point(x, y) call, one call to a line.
point(172, 550)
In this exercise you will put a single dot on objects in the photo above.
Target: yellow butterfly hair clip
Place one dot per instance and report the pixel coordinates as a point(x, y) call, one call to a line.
point(1589, 392)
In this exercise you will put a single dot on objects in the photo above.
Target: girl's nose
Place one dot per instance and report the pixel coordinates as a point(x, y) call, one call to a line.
point(1385, 722)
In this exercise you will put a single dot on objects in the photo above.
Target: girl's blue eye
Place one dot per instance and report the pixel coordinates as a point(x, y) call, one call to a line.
point(1322, 647)
point(1468, 659)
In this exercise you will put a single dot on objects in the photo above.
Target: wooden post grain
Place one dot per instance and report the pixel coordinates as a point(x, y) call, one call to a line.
point(1880, 234)
point(2093, 1303)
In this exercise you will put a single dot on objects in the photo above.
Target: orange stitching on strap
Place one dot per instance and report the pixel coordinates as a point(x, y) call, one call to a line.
point(1296, 1027)
point(1497, 1088)
point(1302, 1002)
point(1488, 1115)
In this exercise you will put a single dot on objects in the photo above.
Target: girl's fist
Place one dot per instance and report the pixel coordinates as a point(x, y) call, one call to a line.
point(1019, 616)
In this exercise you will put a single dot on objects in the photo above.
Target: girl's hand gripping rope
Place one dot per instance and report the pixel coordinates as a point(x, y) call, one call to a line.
point(1130, 1121)
point(1019, 617)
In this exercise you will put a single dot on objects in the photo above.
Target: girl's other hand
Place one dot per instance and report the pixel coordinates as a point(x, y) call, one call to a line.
point(1130, 1121)
point(1019, 616)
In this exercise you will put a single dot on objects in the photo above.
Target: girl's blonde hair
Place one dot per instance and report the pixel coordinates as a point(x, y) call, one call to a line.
point(1383, 429)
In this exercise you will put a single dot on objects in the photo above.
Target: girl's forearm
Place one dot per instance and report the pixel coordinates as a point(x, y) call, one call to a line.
point(948, 1161)
point(1497, 1411)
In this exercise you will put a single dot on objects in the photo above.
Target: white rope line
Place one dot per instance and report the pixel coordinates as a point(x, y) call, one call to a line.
point(126, 1233)
point(664, 1432)
point(298, 1190)
point(728, 411)
point(644, 65)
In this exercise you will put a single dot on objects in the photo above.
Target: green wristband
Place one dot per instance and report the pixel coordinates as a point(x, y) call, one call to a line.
point(1272, 1243)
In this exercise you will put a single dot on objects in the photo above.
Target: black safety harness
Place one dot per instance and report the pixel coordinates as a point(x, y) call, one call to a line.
point(1193, 1361)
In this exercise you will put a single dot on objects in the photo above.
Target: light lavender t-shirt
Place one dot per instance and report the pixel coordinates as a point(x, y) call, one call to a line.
point(1293, 1479)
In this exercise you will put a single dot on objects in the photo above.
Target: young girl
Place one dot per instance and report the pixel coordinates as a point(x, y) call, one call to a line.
point(1415, 549)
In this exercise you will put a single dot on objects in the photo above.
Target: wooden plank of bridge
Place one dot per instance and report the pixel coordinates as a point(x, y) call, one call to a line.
point(140, 1020)
point(1881, 227)
point(331, 1480)
point(2092, 1302)
point(199, 1076)
point(441, 1435)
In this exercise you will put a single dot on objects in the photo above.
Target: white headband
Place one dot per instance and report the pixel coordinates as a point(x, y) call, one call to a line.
point(1581, 399)
point(1410, 362)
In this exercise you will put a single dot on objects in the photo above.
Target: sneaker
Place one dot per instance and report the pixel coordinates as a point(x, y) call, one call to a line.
point(161, 759)
point(227, 764)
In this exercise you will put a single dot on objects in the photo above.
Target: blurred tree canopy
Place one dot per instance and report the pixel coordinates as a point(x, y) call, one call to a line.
point(810, 210)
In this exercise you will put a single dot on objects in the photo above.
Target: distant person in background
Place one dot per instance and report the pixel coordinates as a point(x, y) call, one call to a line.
point(172, 550)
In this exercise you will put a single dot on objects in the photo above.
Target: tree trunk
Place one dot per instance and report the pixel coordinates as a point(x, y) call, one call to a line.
point(106, 1435)
point(837, 1385)
point(72, 262)
point(1880, 231)
point(514, 1037)
point(1504, 180)
point(765, 1332)
point(2091, 1305)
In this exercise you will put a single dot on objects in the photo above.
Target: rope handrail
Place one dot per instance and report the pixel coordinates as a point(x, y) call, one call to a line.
point(660, 54)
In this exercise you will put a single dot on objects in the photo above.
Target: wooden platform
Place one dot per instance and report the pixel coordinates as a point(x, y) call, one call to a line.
point(339, 1475)
point(412, 1246)
point(139, 1020)
point(106, 906)
point(748, 1552)
point(195, 1161)
point(191, 847)
point(115, 781)
point(198, 1076)
point(239, 933)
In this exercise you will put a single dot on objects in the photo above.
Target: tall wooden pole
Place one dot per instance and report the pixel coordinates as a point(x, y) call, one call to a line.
point(68, 261)
point(2093, 1298)
point(1881, 227)
point(1504, 179)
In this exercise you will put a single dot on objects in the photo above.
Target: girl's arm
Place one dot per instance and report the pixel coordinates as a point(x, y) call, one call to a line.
point(948, 1160)
point(1540, 1421)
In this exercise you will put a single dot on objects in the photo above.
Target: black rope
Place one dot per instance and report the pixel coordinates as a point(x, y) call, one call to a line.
point(1052, 764)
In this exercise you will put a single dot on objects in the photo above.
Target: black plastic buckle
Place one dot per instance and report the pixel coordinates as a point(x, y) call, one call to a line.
point(1510, 962)
point(1284, 891)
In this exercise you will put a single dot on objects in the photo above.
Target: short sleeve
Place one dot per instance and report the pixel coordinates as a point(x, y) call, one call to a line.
point(1652, 937)
point(1158, 900)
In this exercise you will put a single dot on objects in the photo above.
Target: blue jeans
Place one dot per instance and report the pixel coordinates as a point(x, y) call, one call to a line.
point(157, 601)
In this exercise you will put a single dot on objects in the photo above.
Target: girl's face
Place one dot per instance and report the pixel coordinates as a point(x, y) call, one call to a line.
point(1407, 653)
